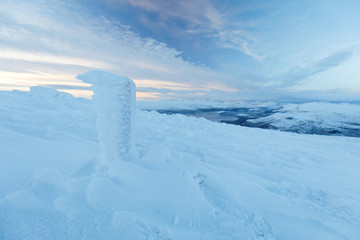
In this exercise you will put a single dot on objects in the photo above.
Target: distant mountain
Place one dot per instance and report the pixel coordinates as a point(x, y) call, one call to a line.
point(339, 119)
point(313, 118)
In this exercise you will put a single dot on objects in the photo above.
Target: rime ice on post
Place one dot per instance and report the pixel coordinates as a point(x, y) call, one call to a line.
point(114, 99)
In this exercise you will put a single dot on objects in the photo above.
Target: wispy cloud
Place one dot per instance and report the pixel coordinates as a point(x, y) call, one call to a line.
point(253, 45)
point(66, 87)
point(305, 70)
point(53, 32)
point(198, 15)
point(203, 18)
point(44, 57)
point(240, 41)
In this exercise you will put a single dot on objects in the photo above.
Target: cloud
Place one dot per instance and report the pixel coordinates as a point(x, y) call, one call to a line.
point(201, 21)
point(300, 73)
point(64, 35)
point(197, 15)
point(240, 41)
point(66, 87)
point(44, 57)
point(251, 45)
point(165, 91)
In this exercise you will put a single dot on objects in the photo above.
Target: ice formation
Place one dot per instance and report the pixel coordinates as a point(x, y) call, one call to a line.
point(114, 98)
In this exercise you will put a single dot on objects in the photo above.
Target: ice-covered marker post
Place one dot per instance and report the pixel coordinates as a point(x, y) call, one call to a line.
point(114, 99)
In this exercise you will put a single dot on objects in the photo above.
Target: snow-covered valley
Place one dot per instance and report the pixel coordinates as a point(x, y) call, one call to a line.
point(192, 178)
point(322, 118)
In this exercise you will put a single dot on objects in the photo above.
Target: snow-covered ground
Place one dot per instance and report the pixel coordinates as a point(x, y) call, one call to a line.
point(192, 178)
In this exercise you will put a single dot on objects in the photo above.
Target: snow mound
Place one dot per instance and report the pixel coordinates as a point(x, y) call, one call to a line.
point(47, 113)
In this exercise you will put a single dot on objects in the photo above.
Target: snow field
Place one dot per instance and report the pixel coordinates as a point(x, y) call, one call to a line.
point(192, 178)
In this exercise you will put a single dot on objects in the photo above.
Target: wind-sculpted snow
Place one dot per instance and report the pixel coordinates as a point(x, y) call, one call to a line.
point(114, 98)
point(193, 179)
point(47, 113)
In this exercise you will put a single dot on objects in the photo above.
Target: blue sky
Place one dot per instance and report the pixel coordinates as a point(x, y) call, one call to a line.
point(233, 50)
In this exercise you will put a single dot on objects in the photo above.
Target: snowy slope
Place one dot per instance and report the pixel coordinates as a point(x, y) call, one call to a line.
point(316, 118)
point(337, 119)
point(192, 179)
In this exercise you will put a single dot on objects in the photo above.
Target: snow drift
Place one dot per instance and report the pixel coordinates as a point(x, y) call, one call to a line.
point(194, 179)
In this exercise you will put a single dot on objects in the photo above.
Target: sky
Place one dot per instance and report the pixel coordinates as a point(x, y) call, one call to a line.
point(208, 49)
